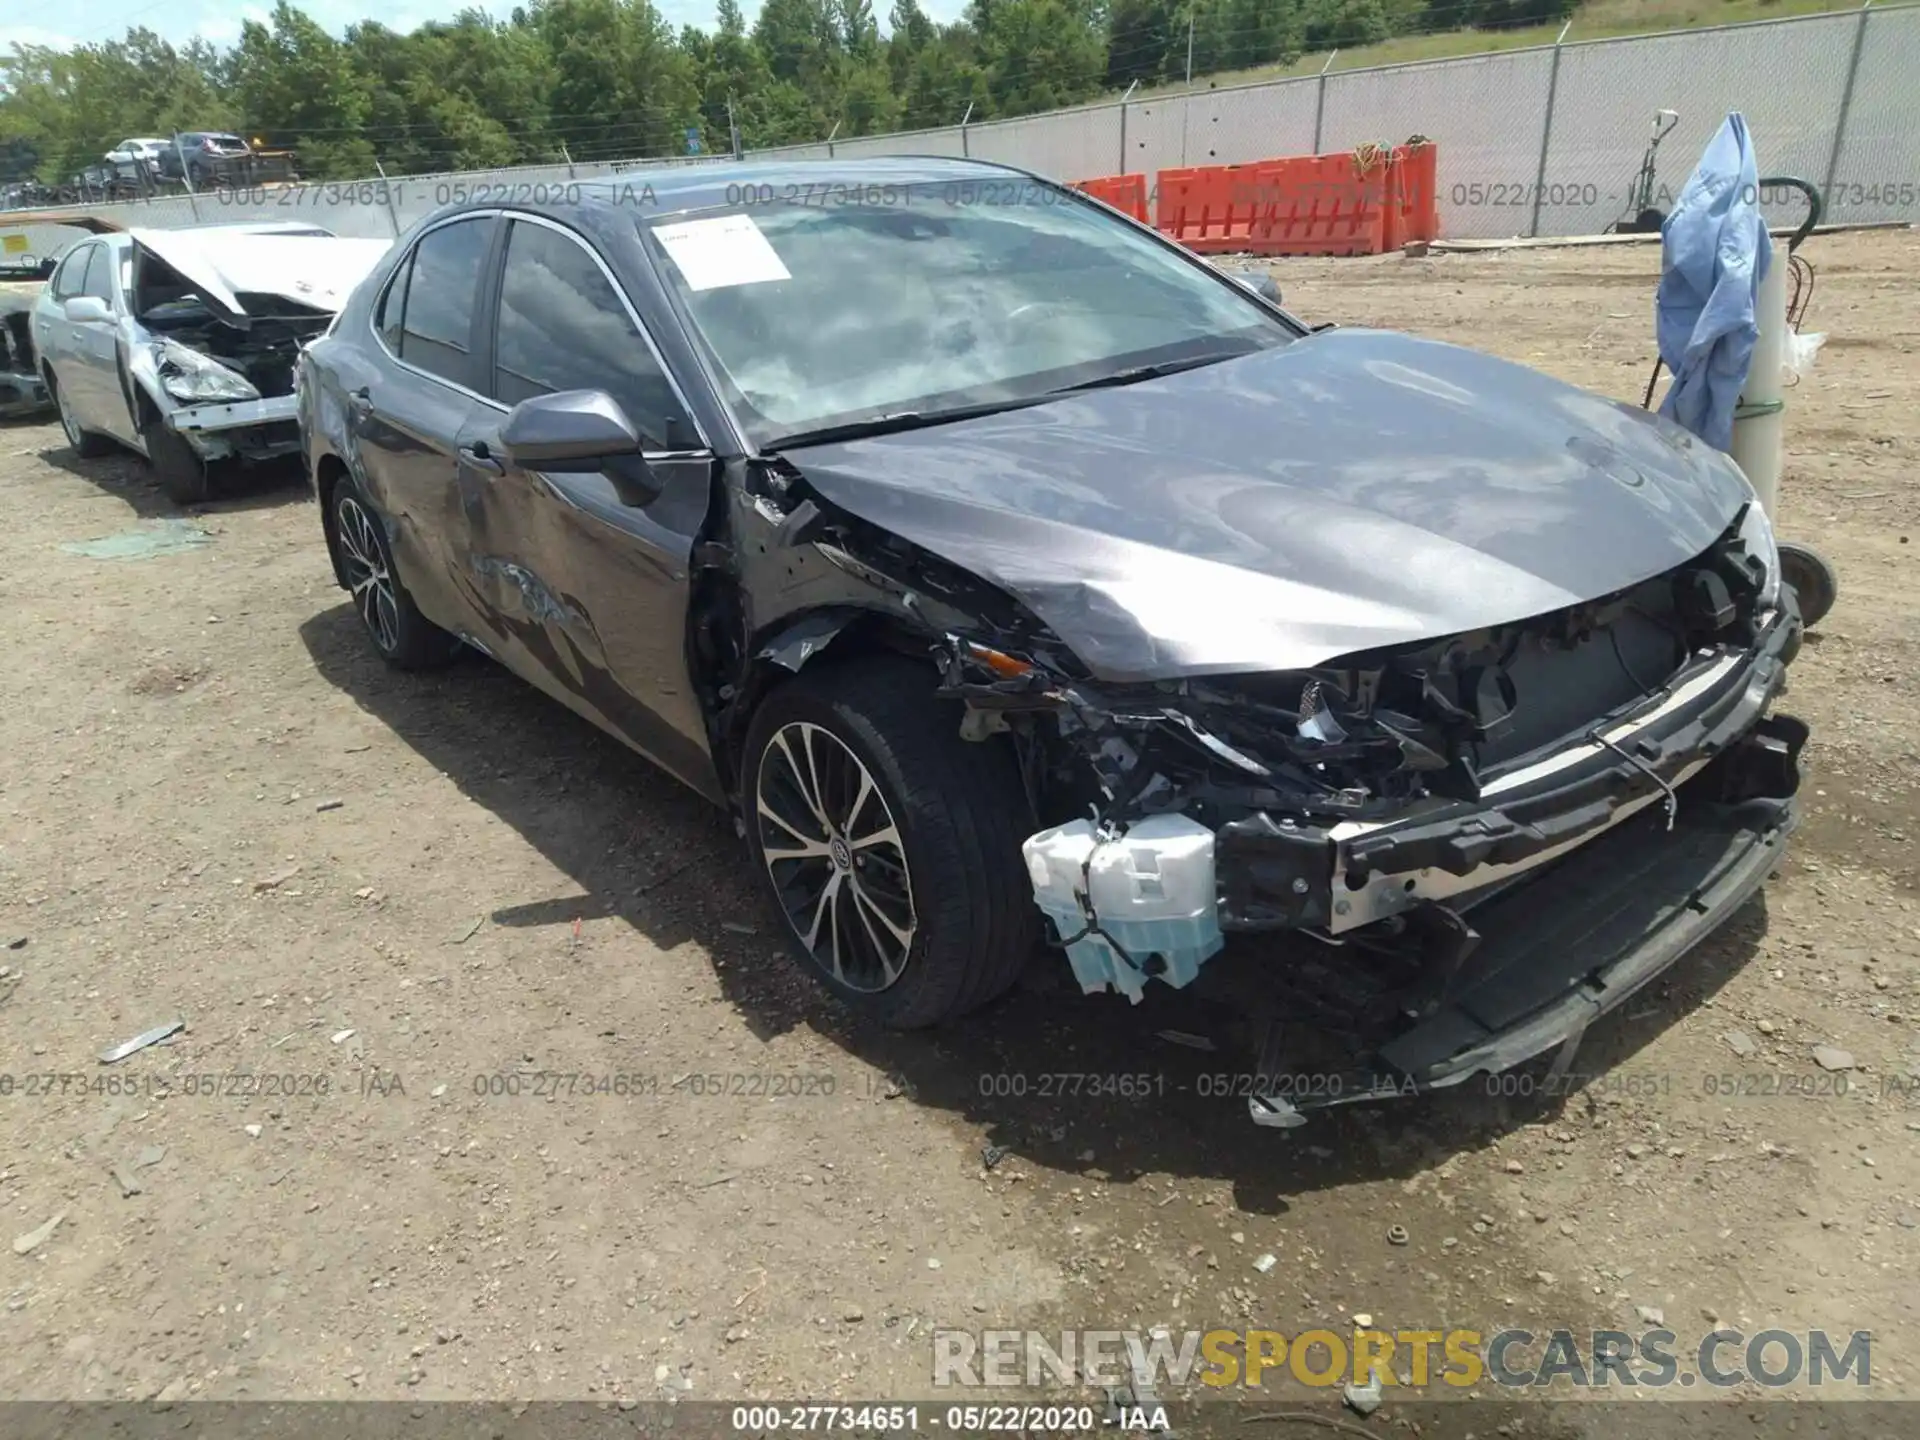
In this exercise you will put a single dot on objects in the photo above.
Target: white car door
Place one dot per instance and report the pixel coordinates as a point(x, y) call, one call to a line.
point(54, 336)
point(91, 375)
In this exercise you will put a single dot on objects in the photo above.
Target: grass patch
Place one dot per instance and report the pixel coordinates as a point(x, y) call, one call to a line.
point(1597, 20)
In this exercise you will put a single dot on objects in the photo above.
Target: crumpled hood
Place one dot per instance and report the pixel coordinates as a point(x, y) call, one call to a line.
point(221, 265)
point(1352, 490)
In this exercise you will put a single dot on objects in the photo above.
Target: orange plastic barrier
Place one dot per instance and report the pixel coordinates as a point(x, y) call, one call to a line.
point(1359, 203)
point(1126, 193)
point(1326, 205)
point(1414, 213)
point(1213, 209)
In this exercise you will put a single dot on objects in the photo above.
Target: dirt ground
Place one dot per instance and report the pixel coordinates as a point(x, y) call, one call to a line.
point(217, 806)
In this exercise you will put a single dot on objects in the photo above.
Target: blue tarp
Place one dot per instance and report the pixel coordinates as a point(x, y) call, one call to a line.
point(1715, 253)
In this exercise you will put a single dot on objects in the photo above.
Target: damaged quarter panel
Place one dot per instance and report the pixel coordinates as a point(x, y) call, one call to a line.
point(1354, 490)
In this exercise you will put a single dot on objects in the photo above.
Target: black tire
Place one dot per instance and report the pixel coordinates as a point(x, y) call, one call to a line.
point(181, 471)
point(1815, 585)
point(86, 444)
point(396, 629)
point(958, 808)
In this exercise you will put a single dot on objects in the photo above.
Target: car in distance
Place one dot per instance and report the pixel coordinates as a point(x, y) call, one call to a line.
point(180, 344)
point(204, 158)
point(1005, 569)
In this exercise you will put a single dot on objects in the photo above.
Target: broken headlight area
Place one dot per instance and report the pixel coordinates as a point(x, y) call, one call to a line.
point(196, 379)
point(1375, 802)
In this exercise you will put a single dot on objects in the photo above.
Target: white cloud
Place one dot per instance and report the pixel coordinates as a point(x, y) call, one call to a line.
point(12, 35)
point(224, 28)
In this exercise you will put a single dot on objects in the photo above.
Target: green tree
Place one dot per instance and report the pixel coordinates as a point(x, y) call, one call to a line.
point(297, 85)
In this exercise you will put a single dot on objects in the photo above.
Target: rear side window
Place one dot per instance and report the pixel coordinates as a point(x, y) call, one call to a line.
point(393, 306)
point(71, 278)
point(436, 325)
point(563, 326)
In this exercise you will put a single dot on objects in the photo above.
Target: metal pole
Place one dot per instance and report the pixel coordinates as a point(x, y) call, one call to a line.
point(1846, 106)
point(830, 134)
point(393, 218)
point(1123, 125)
point(963, 130)
point(1320, 101)
point(1546, 131)
point(567, 155)
point(733, 129)
point(1190, 9)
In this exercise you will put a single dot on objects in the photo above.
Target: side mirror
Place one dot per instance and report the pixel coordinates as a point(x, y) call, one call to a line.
point(82, 308)
point(1263, 285)
point(580, 432)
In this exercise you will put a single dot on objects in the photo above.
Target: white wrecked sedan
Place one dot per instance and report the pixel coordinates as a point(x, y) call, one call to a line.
point(180, 344)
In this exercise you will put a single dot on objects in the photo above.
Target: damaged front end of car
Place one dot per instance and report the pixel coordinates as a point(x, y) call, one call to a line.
point(1486, 840)
point(222, 319)
point(22, 390)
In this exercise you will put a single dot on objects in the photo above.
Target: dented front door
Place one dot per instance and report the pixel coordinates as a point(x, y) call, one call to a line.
point(588, 594)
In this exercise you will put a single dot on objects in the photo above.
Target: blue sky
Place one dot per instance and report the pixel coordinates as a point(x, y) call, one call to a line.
point(82, 21)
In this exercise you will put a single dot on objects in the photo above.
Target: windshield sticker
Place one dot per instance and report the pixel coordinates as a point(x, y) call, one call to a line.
point(713, 254)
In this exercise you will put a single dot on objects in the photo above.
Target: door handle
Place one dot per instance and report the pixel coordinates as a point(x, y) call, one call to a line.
point(360, 402)
point(477, 457)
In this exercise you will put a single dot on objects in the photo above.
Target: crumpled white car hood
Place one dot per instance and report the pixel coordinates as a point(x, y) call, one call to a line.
point(315, 270)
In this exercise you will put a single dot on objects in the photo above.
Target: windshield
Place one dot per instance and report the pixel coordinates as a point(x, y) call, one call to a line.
point(861, 305)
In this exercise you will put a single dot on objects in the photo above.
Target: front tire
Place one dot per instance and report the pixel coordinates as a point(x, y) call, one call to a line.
point(399, 633)
point(891, 845)
point(1815, 584)
point(181, 471)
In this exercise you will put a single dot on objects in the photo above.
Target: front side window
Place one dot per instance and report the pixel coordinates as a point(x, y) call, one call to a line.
point(100, 275)
point(563, 326)
point(928, 297)
point(436, 328)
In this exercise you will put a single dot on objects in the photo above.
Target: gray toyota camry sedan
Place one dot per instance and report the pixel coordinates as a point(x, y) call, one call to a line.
point(1018, 579)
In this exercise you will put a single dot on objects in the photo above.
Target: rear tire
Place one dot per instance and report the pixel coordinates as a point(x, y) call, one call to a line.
point(181, 471)
point(86, 444)
point(944, 905)
point(398, 632)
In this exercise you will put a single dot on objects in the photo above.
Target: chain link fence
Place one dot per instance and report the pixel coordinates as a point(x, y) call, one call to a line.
point(1541, 141)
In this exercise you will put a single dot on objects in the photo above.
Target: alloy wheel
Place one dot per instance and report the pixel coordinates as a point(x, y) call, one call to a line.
point(835, 856)
point(67, 422)
point(368, 578)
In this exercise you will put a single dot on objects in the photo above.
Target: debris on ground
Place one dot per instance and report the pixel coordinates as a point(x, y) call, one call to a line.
point(1397, 1235)
point(18, 942)
point(1740, 1043)
point(341, 1036)
point(150, 1155)
point(1266, 1262)
point(326, 805)
point(991, 1155)
point(161, 537)
point(276, 880)
point(1650, 1314)
point(123, 1177)
point(1832, 1057)
point(26, 1244)
point(1363, 1399)
point(141, 1041)
point(470, 931)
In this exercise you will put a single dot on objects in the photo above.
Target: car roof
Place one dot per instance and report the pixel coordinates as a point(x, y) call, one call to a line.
point(666, 190)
